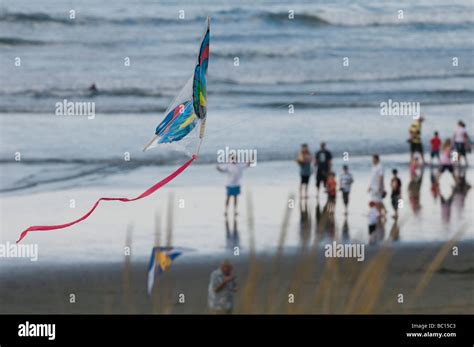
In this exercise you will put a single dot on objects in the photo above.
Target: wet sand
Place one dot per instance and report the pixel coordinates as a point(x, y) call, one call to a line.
point(329, 285)
point(197, 200)
point(88, 259)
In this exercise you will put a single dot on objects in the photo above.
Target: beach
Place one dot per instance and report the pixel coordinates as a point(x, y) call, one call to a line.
point(88, 259)
point(274, 83)
point(196, 200)
point(329, 286)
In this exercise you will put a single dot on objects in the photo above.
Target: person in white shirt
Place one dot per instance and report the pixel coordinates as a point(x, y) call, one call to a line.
point(345, 182)
point(234, 173)
point(461, 141)
point(376, 187)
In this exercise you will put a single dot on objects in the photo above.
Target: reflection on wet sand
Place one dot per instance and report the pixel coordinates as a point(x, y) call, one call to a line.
point(456, 197)
point(414, 187)
point(305, 223)
point(231, 236)
point(325, 221)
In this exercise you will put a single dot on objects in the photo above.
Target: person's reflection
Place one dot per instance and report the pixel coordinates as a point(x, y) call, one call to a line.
point(345, 231)
point(414, 188)
point(379, 233)
point(460, 190)
point(326, 224)
point(434, 183)
point(232, 236)
point(446, 206)
point(318, 226)
point(305, 223)
point(395, 231)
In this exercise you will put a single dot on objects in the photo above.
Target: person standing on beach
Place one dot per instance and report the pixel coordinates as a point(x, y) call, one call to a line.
point(376, 187)
point(461, 141)
point(323, 161)
point(234, 173)
point(304, 160)
point(222, 287)
point(445, 160)
point(435, 145)
point(416, 145)
point(345, 182)
point(396, 195)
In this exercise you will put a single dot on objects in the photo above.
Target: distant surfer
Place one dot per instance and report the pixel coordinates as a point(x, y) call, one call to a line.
point(93, 89)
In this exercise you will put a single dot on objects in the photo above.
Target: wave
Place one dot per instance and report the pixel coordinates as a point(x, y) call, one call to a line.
point(85, 92)
point(36, 17)
point(16, 41)
point(40, 17)
point(94, 165)
point(238, 15)
point(318, 20)
point(347, 94)
point(425, 98)
point(220, 89)
point(363, 79)
point(303, 18)
point(263, 98)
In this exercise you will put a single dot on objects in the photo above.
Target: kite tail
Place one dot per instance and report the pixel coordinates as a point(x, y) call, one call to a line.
point(143, 195)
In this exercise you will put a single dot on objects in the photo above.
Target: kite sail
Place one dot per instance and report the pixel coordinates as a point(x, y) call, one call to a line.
point(160, 261)
point(189, 108)
point(186, 113)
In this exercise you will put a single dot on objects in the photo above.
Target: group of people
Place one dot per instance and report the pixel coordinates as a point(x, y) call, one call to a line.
point(449, 153)
point(452, 149)
point(325, 176)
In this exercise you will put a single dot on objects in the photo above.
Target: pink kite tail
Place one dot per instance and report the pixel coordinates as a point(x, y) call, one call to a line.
point(143, 195)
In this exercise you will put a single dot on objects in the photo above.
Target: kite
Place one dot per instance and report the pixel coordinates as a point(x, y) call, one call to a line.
point(160, 261)
point(186, 113)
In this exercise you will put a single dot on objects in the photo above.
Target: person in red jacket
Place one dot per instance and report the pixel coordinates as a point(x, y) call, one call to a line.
point(435, 146)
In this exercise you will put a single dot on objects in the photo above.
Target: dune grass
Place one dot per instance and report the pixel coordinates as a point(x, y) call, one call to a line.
point(339, 285)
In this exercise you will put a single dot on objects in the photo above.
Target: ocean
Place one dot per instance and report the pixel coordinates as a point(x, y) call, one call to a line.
point(333, 64)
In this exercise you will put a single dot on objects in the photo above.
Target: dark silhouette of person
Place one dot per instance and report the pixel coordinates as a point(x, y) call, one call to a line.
point(305, 223)
point(231, 236)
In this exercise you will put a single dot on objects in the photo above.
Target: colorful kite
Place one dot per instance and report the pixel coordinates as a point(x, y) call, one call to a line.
point(189, 108)
point(186, 112)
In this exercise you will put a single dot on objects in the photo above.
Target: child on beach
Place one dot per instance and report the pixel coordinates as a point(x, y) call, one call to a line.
point(373, 220)
point(304, 160)
point(445, 160)
point(435, 145)
point(345, 182)
point(396, 195)
point(331, 188)
point(234, 173)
